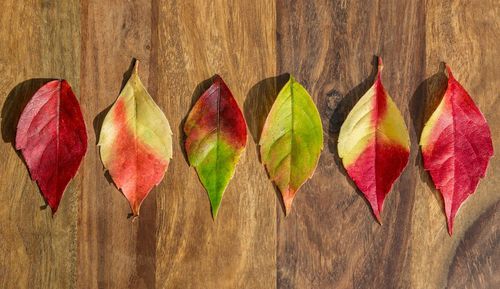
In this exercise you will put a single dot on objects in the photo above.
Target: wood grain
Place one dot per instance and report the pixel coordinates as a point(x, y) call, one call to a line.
point(331, 239)
point(198, 40)
point(113, 251)
point(36, 250)
point(463, 34)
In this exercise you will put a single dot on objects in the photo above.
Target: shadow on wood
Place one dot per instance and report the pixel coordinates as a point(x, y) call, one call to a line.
point(14, 104)
point(12, 108)
point(422, 104)
point(341, 106)
point(258, 103)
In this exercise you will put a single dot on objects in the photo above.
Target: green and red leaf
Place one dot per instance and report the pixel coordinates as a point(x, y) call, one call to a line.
point(216, 136)
point(291, 140)
point(374, 144)
point(52, 137)
point(456, 147)
point(135, 142)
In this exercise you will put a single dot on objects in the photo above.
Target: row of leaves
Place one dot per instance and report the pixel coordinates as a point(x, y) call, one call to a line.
point(136, 142)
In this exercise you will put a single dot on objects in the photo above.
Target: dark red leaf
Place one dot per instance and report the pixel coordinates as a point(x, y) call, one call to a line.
point(52, 137)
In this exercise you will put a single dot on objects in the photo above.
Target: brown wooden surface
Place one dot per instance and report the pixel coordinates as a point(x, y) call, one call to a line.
point(331, 239)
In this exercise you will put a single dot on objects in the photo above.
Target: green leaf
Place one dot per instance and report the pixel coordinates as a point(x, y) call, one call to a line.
point(292, 140)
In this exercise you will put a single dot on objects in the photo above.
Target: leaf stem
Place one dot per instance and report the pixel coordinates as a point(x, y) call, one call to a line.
point(136, 67)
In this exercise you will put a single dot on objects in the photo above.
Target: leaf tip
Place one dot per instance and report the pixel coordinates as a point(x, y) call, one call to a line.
point(214, 204)
point(53, 209)
point(448, 72)
point(376, 213)
point(217, 79)
point(136, 66)
point(136, 206)
point(380, 66)
point(288, 200)
point(376, 209)
point(450, 225)
point(53, 204)
point(215, 210)
point(288, 210)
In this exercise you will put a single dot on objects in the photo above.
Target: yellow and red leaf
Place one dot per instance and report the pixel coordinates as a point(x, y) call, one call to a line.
point(135, 142)
point(456, 147)
point(374, 144)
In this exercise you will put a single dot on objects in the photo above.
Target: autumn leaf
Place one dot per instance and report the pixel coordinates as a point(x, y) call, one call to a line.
point(135, 142)
point(374, 144)
point(52, 137)
point(456, 147)
point(216, 135)
point(291, 140)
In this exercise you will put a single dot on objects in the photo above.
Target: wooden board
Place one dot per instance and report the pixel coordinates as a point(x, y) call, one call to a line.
point(36, 250)
point(331, 239)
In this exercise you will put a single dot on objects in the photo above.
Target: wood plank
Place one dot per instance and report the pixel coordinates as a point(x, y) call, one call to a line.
point(113, 251)
point(331, 239)
point(464, 34)
point(198, 39)
point(40, 41)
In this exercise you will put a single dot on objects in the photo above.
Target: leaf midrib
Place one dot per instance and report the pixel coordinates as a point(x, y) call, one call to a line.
point(57, 131)
point(218, 90)
point(134, 120)
point(291, 130)
point(135, 138)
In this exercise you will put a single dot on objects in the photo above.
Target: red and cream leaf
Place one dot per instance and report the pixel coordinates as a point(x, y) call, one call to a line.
point(135, 142)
